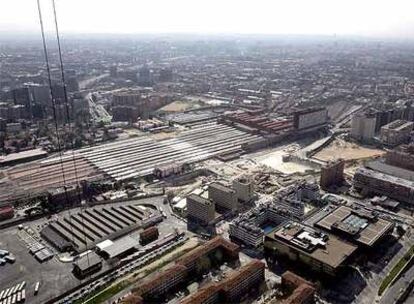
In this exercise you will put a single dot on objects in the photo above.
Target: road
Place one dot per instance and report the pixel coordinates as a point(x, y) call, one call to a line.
point(395, 290)
point(83, 84)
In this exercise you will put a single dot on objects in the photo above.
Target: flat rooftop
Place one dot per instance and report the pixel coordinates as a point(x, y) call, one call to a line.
point(399, 125)
point(382, 167)
point(13, 157)
point(199, 199)
point(221, 187)
point(326, 248)
point(385, 177)
point(364, 227)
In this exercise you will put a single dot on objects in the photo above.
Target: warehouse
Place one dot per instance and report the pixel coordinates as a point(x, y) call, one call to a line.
point(85, 229)
point(120, 248)
point(87, 265)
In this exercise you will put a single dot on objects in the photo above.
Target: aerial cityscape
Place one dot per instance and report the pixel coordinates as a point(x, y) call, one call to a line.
point(200, 168)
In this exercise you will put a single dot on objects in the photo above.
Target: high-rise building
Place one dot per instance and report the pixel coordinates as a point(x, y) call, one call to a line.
point(363, 127)
point(244, 189)
point(200, 209)
point(223, 197)
point(332, 174)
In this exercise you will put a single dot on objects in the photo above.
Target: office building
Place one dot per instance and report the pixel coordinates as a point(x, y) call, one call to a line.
point(200, 209)
point(396, 132)
point(332, 174)
point(359, 226)
point(320, 252)
point(222, 196)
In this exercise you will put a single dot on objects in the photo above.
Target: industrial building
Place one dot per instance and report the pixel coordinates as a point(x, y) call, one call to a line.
point(321, 252)
point(200, 209)
point(254, 122)
point(6, 212)
point(244, 188)
point(332, 174)
point(311, 119)
point(22, 157)
point(83, 230)
point(87, 265)
point(372, 182)
point(118, 248)
point(363, 127)
point(360, 226)
point(148, 235)
point(123, 159)
point(402, 157)
point(222, 196)
point(396, 132)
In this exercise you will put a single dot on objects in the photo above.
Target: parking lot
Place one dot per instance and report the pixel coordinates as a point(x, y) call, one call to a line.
point(50, 274)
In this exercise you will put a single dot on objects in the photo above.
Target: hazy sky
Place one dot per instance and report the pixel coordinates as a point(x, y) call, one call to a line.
point(342, 17)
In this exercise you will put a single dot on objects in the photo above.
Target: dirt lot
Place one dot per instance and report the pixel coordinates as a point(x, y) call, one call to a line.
point(340, 148)
point(177, 106)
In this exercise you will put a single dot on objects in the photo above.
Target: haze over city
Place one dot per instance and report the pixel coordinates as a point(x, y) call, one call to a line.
point(374, 18)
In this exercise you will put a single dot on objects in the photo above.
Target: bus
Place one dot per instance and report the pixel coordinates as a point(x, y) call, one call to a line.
point(36, 291)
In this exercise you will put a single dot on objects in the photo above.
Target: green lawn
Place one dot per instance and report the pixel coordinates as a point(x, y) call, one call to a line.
point(396, 270)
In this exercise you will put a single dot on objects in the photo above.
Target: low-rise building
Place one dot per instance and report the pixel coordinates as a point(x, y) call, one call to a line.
point(162, 283)
point(87, 265)
point(320, 252)
point(396, 132)
point(402, 157)
point(373, 182)
point(231, 289)
point(361, 226)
